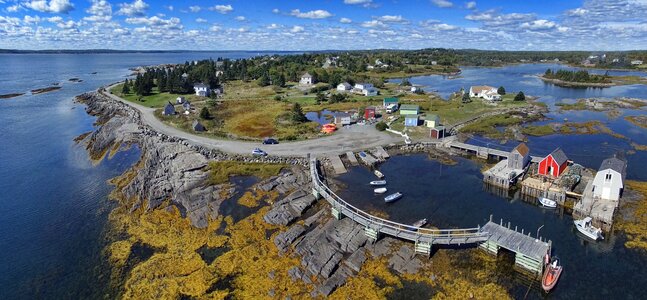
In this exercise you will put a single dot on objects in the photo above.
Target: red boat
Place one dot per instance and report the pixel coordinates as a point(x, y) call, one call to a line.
point(551, 274)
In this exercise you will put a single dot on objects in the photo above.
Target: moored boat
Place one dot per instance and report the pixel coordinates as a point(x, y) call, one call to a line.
point(378, 182)
point(379, 190)
point(585, 227)
point(419, 223)
point(551, 274)
point(378, 174)
point(362, 154)
point(393, 197)
point(547, 202)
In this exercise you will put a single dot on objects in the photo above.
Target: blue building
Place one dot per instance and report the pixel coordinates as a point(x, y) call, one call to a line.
point(411, 121)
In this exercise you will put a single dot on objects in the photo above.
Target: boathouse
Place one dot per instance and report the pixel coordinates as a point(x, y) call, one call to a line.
point(519, 157)
point(554, 164)
point(369, 113)
point(169, 109)
point(409, 109)
point(432, 121)
point(609, 180)
point(342, 119)
point(437, 132)
point(411, 120)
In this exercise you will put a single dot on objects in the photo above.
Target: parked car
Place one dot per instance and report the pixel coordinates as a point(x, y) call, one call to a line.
point(258, 152)
point(270, 141)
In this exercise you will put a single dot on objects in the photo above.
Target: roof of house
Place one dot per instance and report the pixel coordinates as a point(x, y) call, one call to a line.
point(370, 107)
point(615, 164)
point(342, 115)
point(411, 117)
point(168, 108)
point(480, 88)
point(197, 125)
point(346, 84)
point(522, 149)
point(306, 75)
point(432, 117)
point(409, 107)
point(391, 100)
point(559, 156)
point(200, 85)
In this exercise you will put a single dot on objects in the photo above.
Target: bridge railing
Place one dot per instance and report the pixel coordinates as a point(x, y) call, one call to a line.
point(339, 204)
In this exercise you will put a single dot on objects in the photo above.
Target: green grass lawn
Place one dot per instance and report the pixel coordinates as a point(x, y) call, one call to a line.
point(155, 99)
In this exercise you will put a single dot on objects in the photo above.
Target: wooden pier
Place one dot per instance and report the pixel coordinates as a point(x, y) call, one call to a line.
point(485, 152)
point(529, 251)
point(352, 158)
point(381, 153)
point(369, 159)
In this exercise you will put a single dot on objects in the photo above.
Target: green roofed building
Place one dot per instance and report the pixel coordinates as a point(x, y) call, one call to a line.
point(390, 101)
point(409, 109)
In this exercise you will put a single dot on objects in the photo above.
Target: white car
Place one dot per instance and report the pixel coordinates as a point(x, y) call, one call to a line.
point(258, 152)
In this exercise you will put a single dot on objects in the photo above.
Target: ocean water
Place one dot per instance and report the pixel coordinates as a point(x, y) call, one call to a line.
point(54, 205)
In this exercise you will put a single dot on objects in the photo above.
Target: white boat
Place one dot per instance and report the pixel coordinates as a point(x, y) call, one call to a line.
point(584, 226)
point(378, 174)
point(378, 182)
point(547, 202)
point(379, 190)
point(393, 197)
point(419, 223)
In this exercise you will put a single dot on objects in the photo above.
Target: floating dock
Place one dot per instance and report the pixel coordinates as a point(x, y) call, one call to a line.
point(352, 158)
point(337, 164)
point(381, 153)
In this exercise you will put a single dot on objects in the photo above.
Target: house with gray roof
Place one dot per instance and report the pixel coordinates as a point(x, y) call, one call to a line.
point(609, 180)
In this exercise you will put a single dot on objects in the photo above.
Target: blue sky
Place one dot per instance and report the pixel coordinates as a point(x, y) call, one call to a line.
point(323, 24)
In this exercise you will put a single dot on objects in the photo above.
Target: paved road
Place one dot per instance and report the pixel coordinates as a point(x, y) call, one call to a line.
point(355, 138)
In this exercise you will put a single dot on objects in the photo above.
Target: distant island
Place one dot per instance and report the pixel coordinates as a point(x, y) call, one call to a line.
point(583, 78)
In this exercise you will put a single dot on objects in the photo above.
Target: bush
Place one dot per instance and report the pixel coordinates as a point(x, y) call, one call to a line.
point(381, 126)
point(501, 91)
point(520, 97)
point(205, 114)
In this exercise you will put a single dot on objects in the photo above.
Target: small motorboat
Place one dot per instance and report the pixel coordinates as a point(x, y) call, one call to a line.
point(419, 223)
point(393, 197)
point(378, 174)
point(585, 227)
point(551, 274)
point(380, 190)
point(378, 182)
point(362, 154)
point(547, 202)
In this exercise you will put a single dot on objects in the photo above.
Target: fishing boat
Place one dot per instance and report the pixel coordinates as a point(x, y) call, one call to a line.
point(547, 202)
point(378, 182)
point(362, 154)
point(419, 223)
point(393, 197)
point(551, 274)
point(585, 227)
point(378, 174)
point(380, 190)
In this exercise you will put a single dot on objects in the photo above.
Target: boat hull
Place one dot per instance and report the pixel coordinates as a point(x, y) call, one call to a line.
point(379, 190)
point(547, 202)
point(392, 198)
point(551, 275)
point(591, 234)
point(378, 182)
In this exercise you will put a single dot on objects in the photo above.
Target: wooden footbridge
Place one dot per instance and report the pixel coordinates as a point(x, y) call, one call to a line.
point(491, 237)
point(484, 152)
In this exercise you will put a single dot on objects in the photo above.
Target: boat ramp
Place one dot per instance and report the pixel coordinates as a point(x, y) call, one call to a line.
point(352, 158)
point(337, 164)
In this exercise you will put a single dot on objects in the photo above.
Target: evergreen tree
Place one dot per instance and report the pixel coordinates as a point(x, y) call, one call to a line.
point(520, 97)
point(264, 80)
point(205, 114)
point(320, 97)
point(466, 98)
point(280, 80)
point(501, 91)
point(297, 114)
point(126, 88)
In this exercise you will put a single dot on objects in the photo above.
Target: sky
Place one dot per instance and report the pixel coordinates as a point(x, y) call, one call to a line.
point(323, 24)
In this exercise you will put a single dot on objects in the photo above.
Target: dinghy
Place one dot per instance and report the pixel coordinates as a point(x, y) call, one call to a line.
point(378, 182)
point(551, 275)
point(378, 174)
point(585, 227)
point(393, 197)
point(379, 190)
point(547, 202)
point(419, 223)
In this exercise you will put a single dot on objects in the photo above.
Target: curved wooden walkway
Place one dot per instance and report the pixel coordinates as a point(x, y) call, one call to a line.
point(423, 237)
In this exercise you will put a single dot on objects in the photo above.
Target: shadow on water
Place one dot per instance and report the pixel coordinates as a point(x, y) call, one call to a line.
point(209, 254)
point(230, 207)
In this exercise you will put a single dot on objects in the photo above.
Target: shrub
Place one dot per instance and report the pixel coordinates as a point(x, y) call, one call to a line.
point(381, 126)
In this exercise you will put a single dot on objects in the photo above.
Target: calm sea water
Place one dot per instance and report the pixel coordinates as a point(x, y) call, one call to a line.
point(54, 203)
point(454, 196)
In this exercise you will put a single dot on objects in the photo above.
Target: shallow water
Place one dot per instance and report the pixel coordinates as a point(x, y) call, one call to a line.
point(454, 197)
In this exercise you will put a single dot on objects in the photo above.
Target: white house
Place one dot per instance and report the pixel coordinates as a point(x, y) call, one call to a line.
point(609, 180)
point(343, 87)
point(363, 86)
point(306, 79)
point(365, 89)
point(636, 62)
point(485, 92)
point(433, 62)
point(201, 89)
point(180, 100)
point(343, 118)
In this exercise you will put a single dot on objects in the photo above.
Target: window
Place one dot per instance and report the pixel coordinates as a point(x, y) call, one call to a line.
point(608, 177)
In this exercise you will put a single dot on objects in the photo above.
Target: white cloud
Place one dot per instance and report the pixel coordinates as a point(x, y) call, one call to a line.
point(296, 29)
point(539, 25)
point(155, 21)
point(357, 1)
point(215, 28)
point(52, 6)
point(55, 19)
point(470, 5)
point(352, 32)
point(345, 20)
point(137, 8)
point(373, 23)
point(240, 18)
point(223, 9)
point(276, 11)
point(493, 19)
point(392, 19)
point(201, 20)
point(195, 8)
point(100, 11)
point(14, 8)
point(442, 3)
point(577, 12)
point(313, 14)
point(273, 26)
point(170, 8)
point(31, 20)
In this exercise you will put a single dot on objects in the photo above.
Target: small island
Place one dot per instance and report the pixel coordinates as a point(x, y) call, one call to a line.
point(12, 95)
point(582, 78)
point(45, 90)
